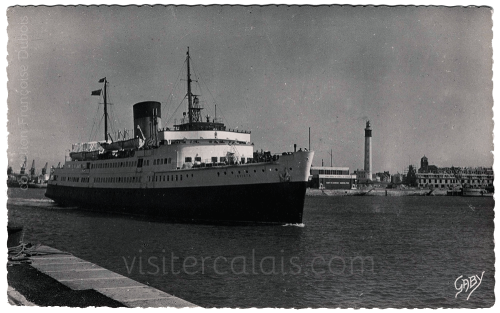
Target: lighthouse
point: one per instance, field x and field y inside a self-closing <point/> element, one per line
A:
<point x="368" y="151"/>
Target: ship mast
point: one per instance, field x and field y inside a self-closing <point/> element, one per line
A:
<point x="193" y="101"/>
<point x="189" y="95"/>
<point x="195" y="120"/>
<point x="98" y="93"/>
<point x="105" y="111"/>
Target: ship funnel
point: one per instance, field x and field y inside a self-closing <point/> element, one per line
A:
<point x="147" y="115"/>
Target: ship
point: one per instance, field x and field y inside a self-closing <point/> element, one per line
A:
<point x="29" y="179"/>
<point x="197" y="171"/>
<point x="39" y="181"/>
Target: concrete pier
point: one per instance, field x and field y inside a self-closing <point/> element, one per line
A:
<point x="375" y="192"/>
<point x="15" y="298"/>
<point x="79" y="274"/>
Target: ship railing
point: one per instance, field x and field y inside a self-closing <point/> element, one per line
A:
<point x="239" y="131"/>
<point x="86" y="147"/>
<point x="209" y="164"/>
<point x="176" y="128"/>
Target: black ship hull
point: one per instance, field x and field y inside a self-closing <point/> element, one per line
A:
<point x="276" y="203"/>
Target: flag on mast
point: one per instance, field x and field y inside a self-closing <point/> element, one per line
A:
<point x="96" y="92"/>
<point x="102" y="80"/>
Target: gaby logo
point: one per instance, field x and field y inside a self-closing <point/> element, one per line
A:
<point x="472" y="283"/>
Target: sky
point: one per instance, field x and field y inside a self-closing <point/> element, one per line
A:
<point x="421" y="75"/>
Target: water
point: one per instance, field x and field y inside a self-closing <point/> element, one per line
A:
<point x="413" y="248"/>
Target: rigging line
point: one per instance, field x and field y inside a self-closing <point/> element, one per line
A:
<point x="199" y="78"/>
<point x="206" y="86"/>
<point x="166" y="113"/>
<point x="112" y="118"/>
<point x="111" y="129"/>
<point x="199" y="86"/>
<point x="171" y="95"/>
<point x="176" y="110"/>
<point x="111" y="113"/>
<point x="95" y="118"/>
<point x="97" y="129"/>
<point x="167" y="103"/>
<point x="177" y="80"/>
<point x="94" y="133"/>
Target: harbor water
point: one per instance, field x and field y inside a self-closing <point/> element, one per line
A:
<point x="383" y="252"/>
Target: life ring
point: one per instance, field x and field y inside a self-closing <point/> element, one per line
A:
<point x="23" y="180"/>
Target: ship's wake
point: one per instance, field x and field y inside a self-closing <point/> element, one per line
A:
<point x="295" y="224"/>
<point x="31" y="202"/>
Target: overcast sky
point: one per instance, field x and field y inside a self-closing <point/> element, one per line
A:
<point x="422" y="76"/>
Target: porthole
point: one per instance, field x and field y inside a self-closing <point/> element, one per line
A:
<point x="291" y="169"/>
<point x="262" y="170"/>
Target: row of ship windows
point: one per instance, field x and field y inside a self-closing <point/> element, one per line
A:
<point x="246" y="171"/>
<point x="155" y="162"/>
<point x="159" y="178"/>
<point x="76" y="179"/>
<point x="131" y="163"/>
<point x="130" y="179"/>
<point x="333" y="172"/>
<point x="211" y="141"/>
<point x="137" y="179"/>
<point x="216" y="160"/>
<point x="160" y="161"/>
<point x="115" y="164"/>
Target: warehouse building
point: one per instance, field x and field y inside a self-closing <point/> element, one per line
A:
<point x="332" y="178"/>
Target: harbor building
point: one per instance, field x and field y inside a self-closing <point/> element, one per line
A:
<point x="332" y="178"/>
<point x="453" y="177"/>
<point x="362" y="176"/>
<point x="425" y="167"/>
<point x="397" y="178"/>
<point x="383" y="176"/>
<point x="474" y="177"/>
